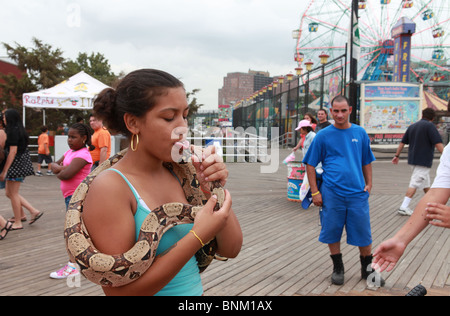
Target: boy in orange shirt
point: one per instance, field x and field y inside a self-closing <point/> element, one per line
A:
<point x="43" y="151"/>
<point x="101" y="140"/>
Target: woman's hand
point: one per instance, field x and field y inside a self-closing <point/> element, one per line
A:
<point x="210" y="167"/>
<point x="208" y="223"/>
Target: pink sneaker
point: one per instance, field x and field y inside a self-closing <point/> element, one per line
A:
<point x="64" y="272"/>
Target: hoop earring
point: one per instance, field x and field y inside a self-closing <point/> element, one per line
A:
<point x="132" y="145"/>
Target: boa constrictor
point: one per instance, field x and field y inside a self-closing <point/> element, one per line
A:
<point x="121" y="269"/>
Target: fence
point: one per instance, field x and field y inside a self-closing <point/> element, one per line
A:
<point x="285" y="105"/>
<point x="238" y="145"/>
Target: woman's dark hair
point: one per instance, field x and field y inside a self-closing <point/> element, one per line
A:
<point x="14" y="124"/>
<point x="313" y="118"/>
<point x="136" y="94"/>
<point x="84" y="130"/>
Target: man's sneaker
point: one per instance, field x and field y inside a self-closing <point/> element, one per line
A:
<point x="405" y="211"/>
<point x="64" y="272"/>
<point x="50" y="173"/>
<point x="38" y="173"/>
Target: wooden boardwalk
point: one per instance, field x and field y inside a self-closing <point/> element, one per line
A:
<point x="280" y="256"/>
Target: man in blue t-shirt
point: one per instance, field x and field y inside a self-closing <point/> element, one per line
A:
<point x="422" y="138"/>
<point x="346" y="157"/>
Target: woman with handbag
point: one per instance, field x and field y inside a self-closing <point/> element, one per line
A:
<point x="17" y="166"/>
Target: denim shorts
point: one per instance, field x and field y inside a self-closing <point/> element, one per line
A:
<point x="351" y="212"/>
<point x="15" y="179"/>
<point x="67" y="201"/>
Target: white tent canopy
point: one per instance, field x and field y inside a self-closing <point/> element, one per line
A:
<point x="77" y="92"/>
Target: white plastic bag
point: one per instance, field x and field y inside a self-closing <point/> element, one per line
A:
<point x="304" y="189"/>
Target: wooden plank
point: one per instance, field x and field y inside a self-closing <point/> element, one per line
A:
<point x="281" y="254"/>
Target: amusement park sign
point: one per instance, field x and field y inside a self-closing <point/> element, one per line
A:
<point x="387" y="109"/>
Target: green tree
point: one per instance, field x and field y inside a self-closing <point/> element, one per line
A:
<point x="44" y="67"/>
<point x="192" y="101"/>
<point x="95" y="65"/>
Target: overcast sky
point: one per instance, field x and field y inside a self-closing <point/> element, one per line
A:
<point x="198" y="41"/>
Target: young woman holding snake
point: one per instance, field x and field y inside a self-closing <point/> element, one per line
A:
<point x="150" y="108"/>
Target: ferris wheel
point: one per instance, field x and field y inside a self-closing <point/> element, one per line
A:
<point x="325" y="24"/>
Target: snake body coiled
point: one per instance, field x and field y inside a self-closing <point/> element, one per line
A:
<point x="121" y="269"/>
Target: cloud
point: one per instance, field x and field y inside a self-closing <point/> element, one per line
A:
<point x="199" y="41"/>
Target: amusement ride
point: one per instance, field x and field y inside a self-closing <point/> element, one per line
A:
<point x="324" y="32"/>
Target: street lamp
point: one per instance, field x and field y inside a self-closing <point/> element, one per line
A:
<point x="289" y="76"/>
<point x="309" y="63"/>
<point x="323" y="60"/>
<point x="280" y="81"/>
<point x="299" y="72"/>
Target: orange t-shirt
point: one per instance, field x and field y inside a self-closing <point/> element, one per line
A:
<point x="100" y="139"/>
<point x="42" y="140"/>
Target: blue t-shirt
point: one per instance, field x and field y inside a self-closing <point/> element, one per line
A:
<point x="343" y="153"/>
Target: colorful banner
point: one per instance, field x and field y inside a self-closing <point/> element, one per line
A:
<point x="225" y="113"/>
<point x="402" y="58"/>
<point x="388" y="109"/>
<point x="393" y="115"/>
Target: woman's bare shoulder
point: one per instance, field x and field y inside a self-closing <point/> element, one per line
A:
<point x="108" y="207"/>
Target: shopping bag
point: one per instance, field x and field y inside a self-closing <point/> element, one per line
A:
<point x="289" y="158"/>
<point x="304" y="188"/>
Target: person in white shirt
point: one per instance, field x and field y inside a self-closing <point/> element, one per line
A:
<point x="431" y="210"/>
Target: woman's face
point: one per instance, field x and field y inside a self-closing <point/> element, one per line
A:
<point x="164" y="128"/>
<point x="75" y="140"/>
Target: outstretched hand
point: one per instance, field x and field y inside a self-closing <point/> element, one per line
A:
<point x="387" y="255"/>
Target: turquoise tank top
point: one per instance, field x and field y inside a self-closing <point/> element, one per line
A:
<point x="188" y="281"/>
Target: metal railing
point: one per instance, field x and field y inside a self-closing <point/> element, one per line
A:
<point x="237" y="147"/>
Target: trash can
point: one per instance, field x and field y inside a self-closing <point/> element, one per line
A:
<point x="296" y="173"/>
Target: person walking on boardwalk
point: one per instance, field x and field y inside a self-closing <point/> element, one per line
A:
<point x="5" y="227"/>
<point x="345" y="153"/>
<point x="17" y="166"/>
<point x="2" y="149"/>
<point x="72" y="169"/>
<point x="43" y="151"/>
<point x="422" y="138"/>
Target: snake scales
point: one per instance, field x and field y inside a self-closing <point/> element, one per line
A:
<point x="121" y="269"/>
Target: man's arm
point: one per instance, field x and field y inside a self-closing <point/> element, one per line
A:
<point x="103" y="154"/>
<point x="396" y="159"/>
<point x="367" y="172"/>
<point x="317" y="196"/>
<point x="389" y="252"/>
<point x="440" y="147"/>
